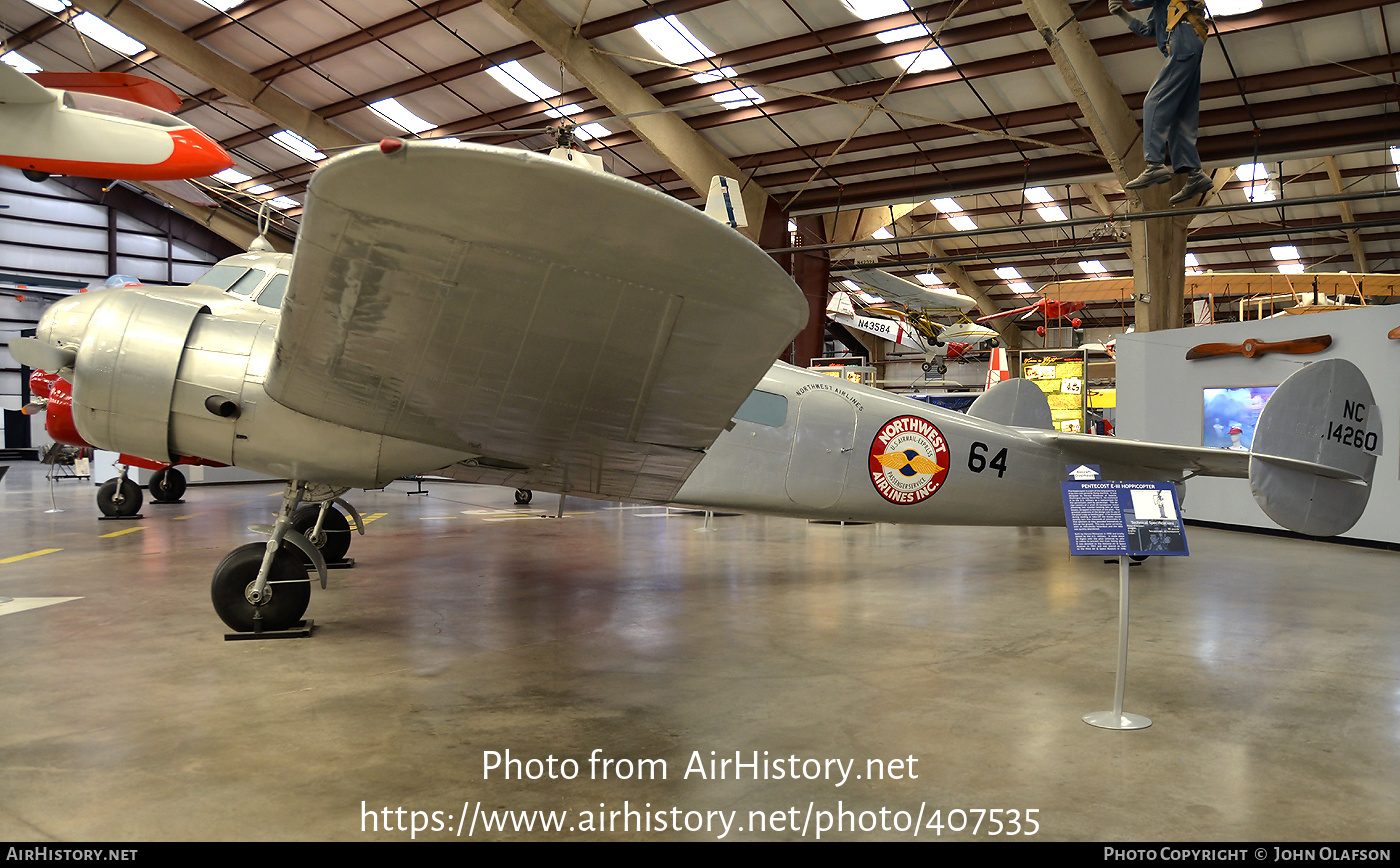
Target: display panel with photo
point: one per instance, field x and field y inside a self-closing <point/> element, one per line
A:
<point x="1230" y="414"/>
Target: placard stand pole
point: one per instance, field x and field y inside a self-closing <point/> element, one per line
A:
<point x="1117" y="718"/>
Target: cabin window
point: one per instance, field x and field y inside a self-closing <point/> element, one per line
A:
<point x="222" y="276"/>
<point x="764" y="408"/>
<point x="276" y="288"/>
<point x="245" y="285"/>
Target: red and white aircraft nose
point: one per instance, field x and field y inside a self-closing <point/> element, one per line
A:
<point x="194" y="155"/>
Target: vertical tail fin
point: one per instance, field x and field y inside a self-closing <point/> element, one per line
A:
<point x="725" y="203"/>
<point x="1315" y="449"/>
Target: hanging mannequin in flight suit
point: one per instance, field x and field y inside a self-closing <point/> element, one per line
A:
<point x="1171" y="111"/>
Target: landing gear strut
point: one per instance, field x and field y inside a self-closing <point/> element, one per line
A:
<point x="265" y="586"/>
<point x="120" y="497"/>
<point x="167" y="486"/>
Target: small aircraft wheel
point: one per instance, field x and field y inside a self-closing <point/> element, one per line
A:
<point x="334" y="539"/>
<point x="35" y="176"/>
<point x="167" y="486"/>
<point x="937" y="342"/>
<point x="119" y="497"/>
<point x="928" y="366"/>
<point x="942" y="369"/>
<point x="523" y="496"/>
<point x="285" y="600"/>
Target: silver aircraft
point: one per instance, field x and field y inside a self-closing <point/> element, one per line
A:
<point x="502" y="317"/>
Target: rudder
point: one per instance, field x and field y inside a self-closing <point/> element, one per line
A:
<point x="1315" y="449"/>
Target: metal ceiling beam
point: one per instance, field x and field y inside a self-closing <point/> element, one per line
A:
<point x="1321" y="136"/>
<point x="210" y="67"/>
<point x="374" y="32"/>
<point x="207" y="27"/>
<point x="693" y="158"/>
<point x="432" y="78"/>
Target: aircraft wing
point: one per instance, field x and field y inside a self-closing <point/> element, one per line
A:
<point x="574" y="329"/>
<point x="18" y="88"/>
<point x="1152" y="456"/>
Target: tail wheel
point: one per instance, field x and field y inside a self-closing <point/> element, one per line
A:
<point x="167" y="486"/>
<point x="119" y="497"/>
<point x="334" y="538"/>
<point x="523" y="496"/>
<point x="283" y="603"/>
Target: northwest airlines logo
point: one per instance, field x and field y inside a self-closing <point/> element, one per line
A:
<point x="908" y="460"/>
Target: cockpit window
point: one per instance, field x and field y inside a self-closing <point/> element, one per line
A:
<point x="120" y="108"/>
<point x="276" y="289"/>
<point x="764" y="408"/>
<point x="222" y="276"/>
<point x="245" y="285"/>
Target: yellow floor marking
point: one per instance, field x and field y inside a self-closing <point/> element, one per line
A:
<point x="30" y="555"/>
<point x="191" y="515"/>
<point x="369" y="518"/>
<point x="121" y="532"/>
<point x="434" y="517"/>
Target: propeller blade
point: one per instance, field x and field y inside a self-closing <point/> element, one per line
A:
<point x="1394" y="334"/>
<point x="1252" y="347"/>
<point x="41" y="356"/>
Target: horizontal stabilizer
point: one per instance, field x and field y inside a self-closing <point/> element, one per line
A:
<point x="1315" y="449"/>
<point x="1017" y="402"/>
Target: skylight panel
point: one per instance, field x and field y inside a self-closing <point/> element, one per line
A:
<point x="929" y="279"/>
<point x="673" y="41"/>
<point x="231" y="176"/>
<point x="1395" y="161"/>
<point x="284" y="202"/>
<point x="258" y="189"/>
<point x="50" y="5"/>
<point x="100" y="31"/>
<point x="591" y="131"/>
<point x="1006" y="272"/>
<point x="1226" y="8"/>
<point x="1039" y="195"/>
<point x="20" y="62"/>
<point x="297" y="145"/>
<point x="1290" y="267"/>
<point x="1284" y="252"/>
<point x="394" y="112"/>
<point x="739" y="96"/>
<point x="1051" y="213"/>
<point x="899" y="34"/>
<point x="953" y="212"/>
<point x="924" y="61"/>
<point x="1022" y="287"/>
<point x="520" y="81"/>
<point x="220" y="5"/>
<point x="882" y="233"/>
<point x="1193" y="265"/>
<point x="851" y="286"/>
<point x="1252" y="172"/>
<point x="868" y="9"/>
<point x="1093" y="268"/>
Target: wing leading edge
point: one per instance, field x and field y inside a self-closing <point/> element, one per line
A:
<point x="576" y="330"/>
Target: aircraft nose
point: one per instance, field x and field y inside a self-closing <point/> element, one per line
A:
<point x="196" y="155"/>
<point x="66" y="322"/>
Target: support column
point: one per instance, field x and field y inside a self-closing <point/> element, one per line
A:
<point x="812" y="272"/>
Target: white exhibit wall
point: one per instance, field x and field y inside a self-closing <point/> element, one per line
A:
<point x="1160" y="398"/>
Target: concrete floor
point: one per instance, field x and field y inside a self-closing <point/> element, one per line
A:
<point x="1270" y="669"/>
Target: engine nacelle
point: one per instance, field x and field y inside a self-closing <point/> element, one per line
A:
<point x="125" y="371"/>
<point x="160" y="377"/>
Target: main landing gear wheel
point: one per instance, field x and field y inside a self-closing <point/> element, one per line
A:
<point x="119" y="497"/>
<point x="334" y="538"/>
<point x="523" y="496"/>
<point x="283" y="602"/>
<point x="167" y="486"/>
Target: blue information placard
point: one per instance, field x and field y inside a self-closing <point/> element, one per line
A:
<point x="1123" y="518"/>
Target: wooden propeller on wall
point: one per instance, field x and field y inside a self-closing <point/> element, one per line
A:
<point x="1252" y="347"/>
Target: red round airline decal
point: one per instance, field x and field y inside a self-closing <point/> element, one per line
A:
<point x="908" y="460"/>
